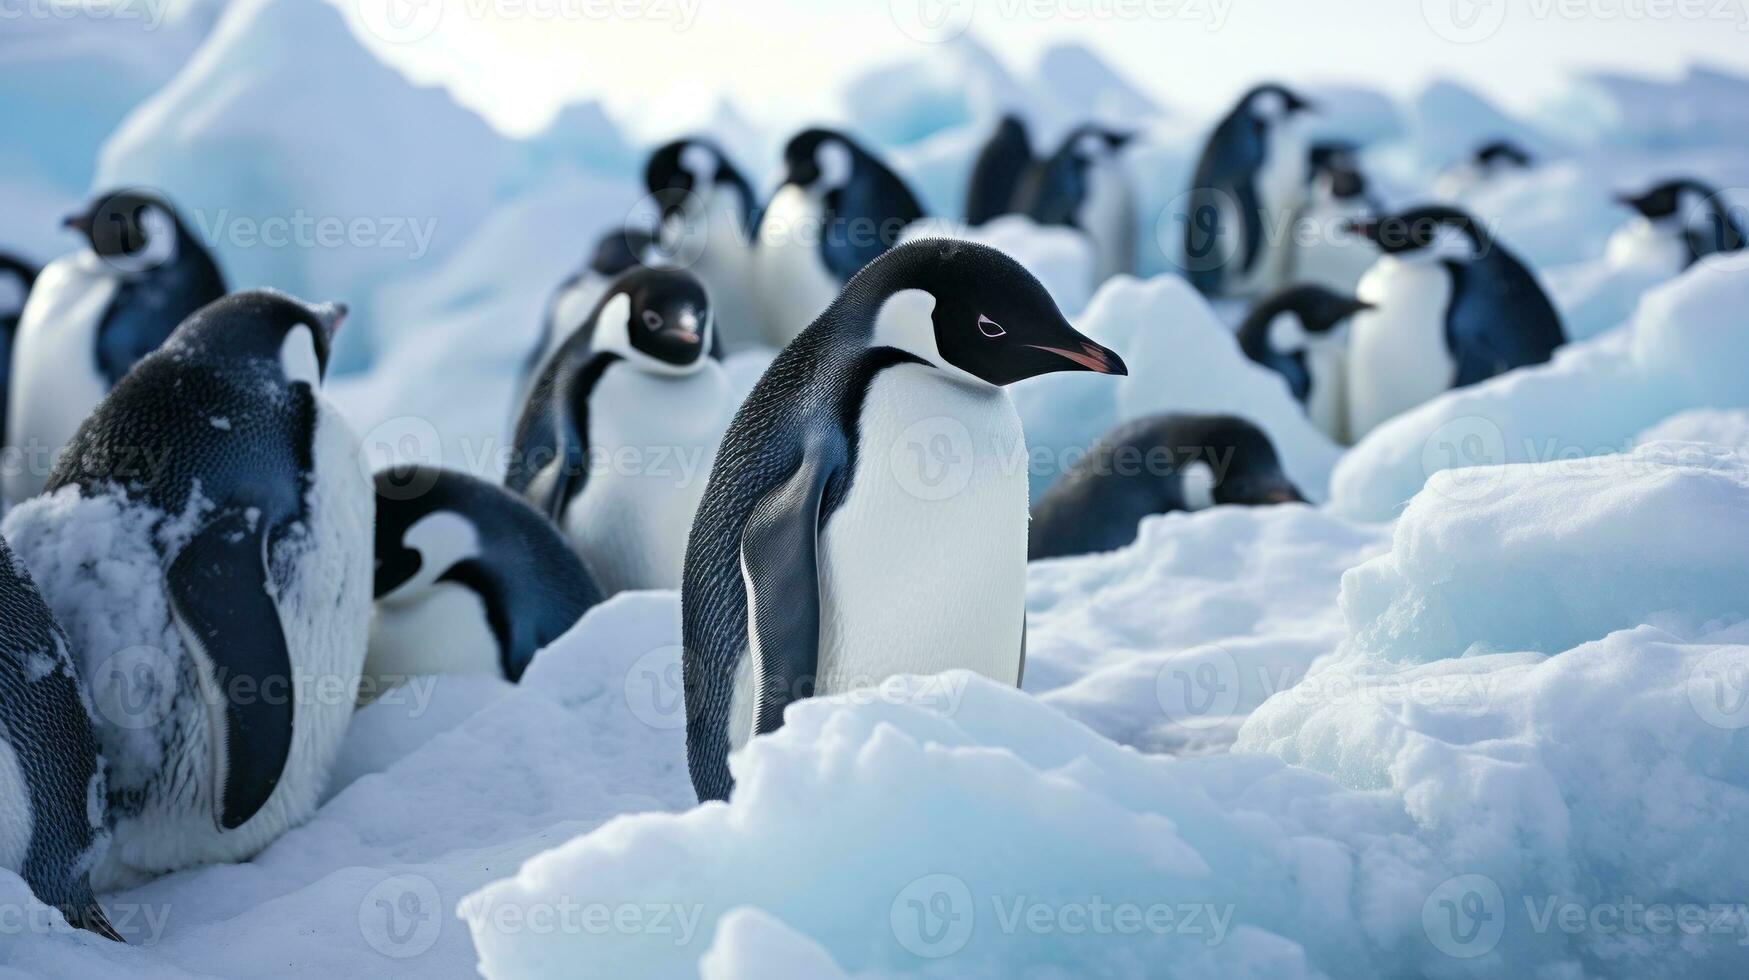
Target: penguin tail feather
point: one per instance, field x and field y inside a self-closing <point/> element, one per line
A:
<point x="92" y="919"/>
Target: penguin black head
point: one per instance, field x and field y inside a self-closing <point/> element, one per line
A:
<point x="131" y="230"/>
<point x="659" y="319"/>
<point x="687" y="167"/>
<point x="1678" y="199"/>
<point x="821" y="159"/>
<point x="1092" y="142"/>
<point x="418" y="539"/>
<point x="263" y="325"/>
<point x="16" y="278"/>
<point x="1273" y="102"/>
<point x="1315" y="311"/>
<point x="1502" y="153"/>
<point x="1435" y="232"/>
<point x="1336" y="165"/>
<point x="969" y="310"/>
<point x="1234" y="460"/>
<point x="620" y="251"/>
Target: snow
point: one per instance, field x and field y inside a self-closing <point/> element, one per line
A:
<point x="1418" y="730"/>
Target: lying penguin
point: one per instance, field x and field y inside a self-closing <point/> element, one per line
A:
<point x="1155" y="465"/>
<point x="223" y="609"/>
<point x="469" y="579"/>
<point x="616" y="438"/>
<point x="865" y="516"/>
<point x="1450" y="307"/>
<point x="708" y="220"/>
<point x="52" y="800"/>
<point x="92" y="315"/>
<point x="1299" y="333"/>
<point x="1677" y="223"/>
<point x="838" y="208"/>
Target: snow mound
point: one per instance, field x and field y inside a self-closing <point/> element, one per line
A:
<point x="1706" y="106"/>
<point x="317" y="182"/>
<point x="1448" y="121"/>
<point x="1060" y="258"/>
<point x="1680" y="352"/>
<point x="1728" y="429"/>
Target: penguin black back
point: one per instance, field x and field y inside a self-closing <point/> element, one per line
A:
<point x="1318" y="311"/>
<point x="16" y="278"/>
<point x="532" y="584"/>
<point x="1141" y="467"/>
<point x="1001" y="167"/>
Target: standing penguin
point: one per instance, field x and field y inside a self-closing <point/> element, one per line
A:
<point x="1082" y="185"/>
<point x="16" y="277"/>
<point x="1296" y="332"/>
<point x="1249" y="182"/>
<point x="616" y="438"/>
<point x="867" y="516"/>
<point x="469" y="579"/>
<point x="1324" y="253"/>
<point x="206" y="541"/>
<point x="1679" y="223"/>
<point x="1155" y="465"/>
<point x="92" y="314"/>
<point x="837" y="209"/>
<point x="52" y="799"/>
<point x="1450" y="307"/>
<point x="707" y="227"/>
<point x="618" y="252"/>
<point x="1002" y="165"/>
<point x="1490" y="161"/>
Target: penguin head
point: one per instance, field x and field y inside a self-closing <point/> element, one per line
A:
<point x="418" y="539"/>
<point x="971" y="311"/>
<point x="1093" y="143"/>
<point x="1272" y="103"/>
<point x="820" y="160"/>
<point x="1671" y="202"/>
<point x="686" y="169"/>
<point x="1299" y="317"/>
<point x="1230" y="461"/>
<point x="621" y="250"/>
<point x="263" y="325"/>
<point x="16" y="278"/>
<point x="658" y="319"/>
<point x="1427" y="234"/>
<point x="132" y="231"/>
<point x="1335" y="171"/>
<point x="1501" y="155"/>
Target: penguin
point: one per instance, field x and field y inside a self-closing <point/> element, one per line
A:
<point x="1083" y="185"/>
<point x="1249" y="182"/>
<point x="1677" y="223"/>
<point x="469" y="579"/>
<point x="209" y="528"/>
<point x="618" y="252"/>
<point x="1002" y="165"/>
<point x="838" y="208"/>
<point x="1489" y="162"/>
<point x="1337" y="196"/>
<point x="1450" y="307"/>
<point x="707" y="227"/>
<point x="52" y="802"/>
<point x="867" y="512"/>
<point x="614" y="442"/>
<point x="1155" y="465"/>
<point x="1297" y="332"/>
<point x="94" y="313"/>
<point x="16" y="278"/>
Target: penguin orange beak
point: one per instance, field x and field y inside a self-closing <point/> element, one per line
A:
<point x="1091" y="356"/>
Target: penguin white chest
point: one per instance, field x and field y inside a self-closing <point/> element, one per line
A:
<point x="1397" y="353"/>
<point x="1325" y="256"/>
<point x="1106" y="215"/>
<point x="1326" y="400"/>
<point x="652" y="439"/>
<point x="1280" y="183"/>
<point x="794" y="284"/>
<point x="55" y="381"/>
<point x="442" y="629"/>
<point x="1642" y="244"/>
<point x="923" y="564"/>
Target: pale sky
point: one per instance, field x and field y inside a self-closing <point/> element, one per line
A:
<point x="783" y="60"/>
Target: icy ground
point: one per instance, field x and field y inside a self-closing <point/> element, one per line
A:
<point x="1455" y="722"/>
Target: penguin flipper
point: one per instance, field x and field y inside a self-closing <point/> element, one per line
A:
<point x="780" y="569"/>
<point x="222" y="600"/>
<point x="92" y="919"/>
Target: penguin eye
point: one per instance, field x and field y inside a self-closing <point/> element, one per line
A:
<point x="652" y="320"/>
<point x="990" y="328"/>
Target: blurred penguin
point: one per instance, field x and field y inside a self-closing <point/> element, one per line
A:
<point x="1325" y="253"/>
<point x="1301" y="334"/>
<point x="16" y="277"/>
<point x="1082" y="185"/>
<point x="1490" y="162"/>
<point x="1002" y="165"/>
<point x="707" y="227"/>
<point x="1676" y="223"/>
